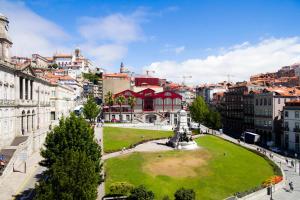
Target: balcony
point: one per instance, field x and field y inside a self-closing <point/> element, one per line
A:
<point x="297" y="129"/>
<point x="23" y="102"/>
<point x="6" y="102"/>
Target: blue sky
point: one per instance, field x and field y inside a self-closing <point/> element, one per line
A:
<point x="206" y="39"/>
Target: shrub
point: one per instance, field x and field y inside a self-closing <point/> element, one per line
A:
<point x="141" y="193"/>
<point x="120" y="188"/>
<point x="185" y="194"/>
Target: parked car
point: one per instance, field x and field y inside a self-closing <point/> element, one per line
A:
<point x="194" y="125"/>
<point x="114" y="120"/>
<point x="275" y="149"/>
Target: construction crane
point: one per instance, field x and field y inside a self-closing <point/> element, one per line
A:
<point x="184" y="78"/>
<point x="228" y="77"/>
<point x="147" y="72"/>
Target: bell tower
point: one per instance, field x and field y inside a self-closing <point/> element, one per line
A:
<point x="5" y="42"/>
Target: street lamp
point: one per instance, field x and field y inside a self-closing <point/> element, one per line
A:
<point x="296" y="162"/>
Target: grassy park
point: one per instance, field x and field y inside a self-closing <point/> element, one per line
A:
<point x="215" y="171"/>
<point x="115" y="138"/>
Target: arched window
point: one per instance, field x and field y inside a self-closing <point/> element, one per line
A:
<point x="168" y="101"/>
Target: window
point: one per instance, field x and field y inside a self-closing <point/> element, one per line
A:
<point x="278" y="100"/>
<point x="297" y="125"/>
<point x="261" y="101"/>
<point x="297" y="138"/>
<point x="270" y="123"/>
<point x="265" y="101"/>
<point x="286" y="114"/>
<point x="286" y="124"/>
<point x="296" y="114"/>
<point x="269" y="101"/>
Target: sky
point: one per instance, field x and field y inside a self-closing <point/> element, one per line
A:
<point x="207" y="40"/>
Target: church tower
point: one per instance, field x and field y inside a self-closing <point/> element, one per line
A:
<point x="122" y="68"/>
<point x="5" y="42"/>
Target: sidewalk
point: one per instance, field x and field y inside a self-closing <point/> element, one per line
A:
<point x="16" y="182"/>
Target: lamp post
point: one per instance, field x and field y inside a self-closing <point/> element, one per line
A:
<point x="296" y="162"/>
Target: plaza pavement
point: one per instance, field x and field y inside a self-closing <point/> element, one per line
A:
<point x="18" y="182"/>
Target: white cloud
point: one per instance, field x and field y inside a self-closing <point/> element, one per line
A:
<point x="30" y="32"/>
<point x="105" y="54"/>
<point x="241" y="61"/>
<point x="115" y="28"/>
<point x="170" y="49"/>
<point x="107" y="38"/>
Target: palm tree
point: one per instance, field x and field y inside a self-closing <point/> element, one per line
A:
<point x="131" y="101"/>
<point x="120" y="100"/>
<point x="109" y="100"/>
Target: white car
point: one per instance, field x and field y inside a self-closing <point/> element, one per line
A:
<point x="275" y="149"/>
<point x="194" y="125"/>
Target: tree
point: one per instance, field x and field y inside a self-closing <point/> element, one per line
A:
<point x="131" y="102"/>
<point x="72" y="133"/>
<point x="109" y="101"/>
<point x="94" y="78"/>
<point x="120" y="100"/>
<point x="199" y="110"/>
<point x="213" y="119"/>
<point x="73" y="161"/>
<point x="72" y="177"/>
<point x="141" y="193"/>
<point x="185" y="194"/>
<point x="91" y="110"/>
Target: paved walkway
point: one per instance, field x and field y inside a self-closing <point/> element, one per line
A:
<point x="99" y="137"/>
<point x="16" y="182"/>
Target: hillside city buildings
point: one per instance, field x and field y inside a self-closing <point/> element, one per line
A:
<point x="30" y="104"/>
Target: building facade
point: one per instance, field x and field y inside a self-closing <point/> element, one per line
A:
<point x="268" y="107"/>
<point x="150" y="107"/>
<point x="291" y="126"/>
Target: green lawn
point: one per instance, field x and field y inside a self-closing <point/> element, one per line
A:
<point x="211" y="173"/>
<point x="115" y="138"/>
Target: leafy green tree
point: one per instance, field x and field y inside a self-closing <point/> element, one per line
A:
<point x="120" y="188"/>
<point x="131" y="102"/>
<point x="213" y="119"/>
<point x="141" y="193"/>
<point x="120" y="100"/>
<point x="73" y="161"/>
<point x="109" y="101"/>
<point x="94" y="78"/>
<point x="72" y="133"/>
<point x="91" y="110"/>
<point x="53" y="66"/>
<point x="73" y="176"/>
<point x="199" y="110"/>
<point x="185" y="194"/>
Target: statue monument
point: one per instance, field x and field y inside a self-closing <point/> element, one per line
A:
<point x="182" y="138"/>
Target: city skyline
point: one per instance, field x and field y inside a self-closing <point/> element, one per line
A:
<point x="240" y="39"/>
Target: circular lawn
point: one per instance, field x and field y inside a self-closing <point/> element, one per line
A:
<point x="216" y="171"/>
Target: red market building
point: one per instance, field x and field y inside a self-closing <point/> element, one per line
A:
<point x="150" y="107"/>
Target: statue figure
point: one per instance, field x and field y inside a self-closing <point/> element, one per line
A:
<point x="182" y="138"/>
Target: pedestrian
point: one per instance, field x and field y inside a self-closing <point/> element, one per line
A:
<point x="292" y="163"/>
<point x="291" y="186"/>
<point x="287" y="161"/>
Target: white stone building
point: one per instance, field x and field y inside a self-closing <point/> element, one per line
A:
<point x="62" y="101"/>
<point x="291" y="126"/>
<point x="25" y="108"/>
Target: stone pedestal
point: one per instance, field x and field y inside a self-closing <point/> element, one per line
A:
<point x="182" y="138"/>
